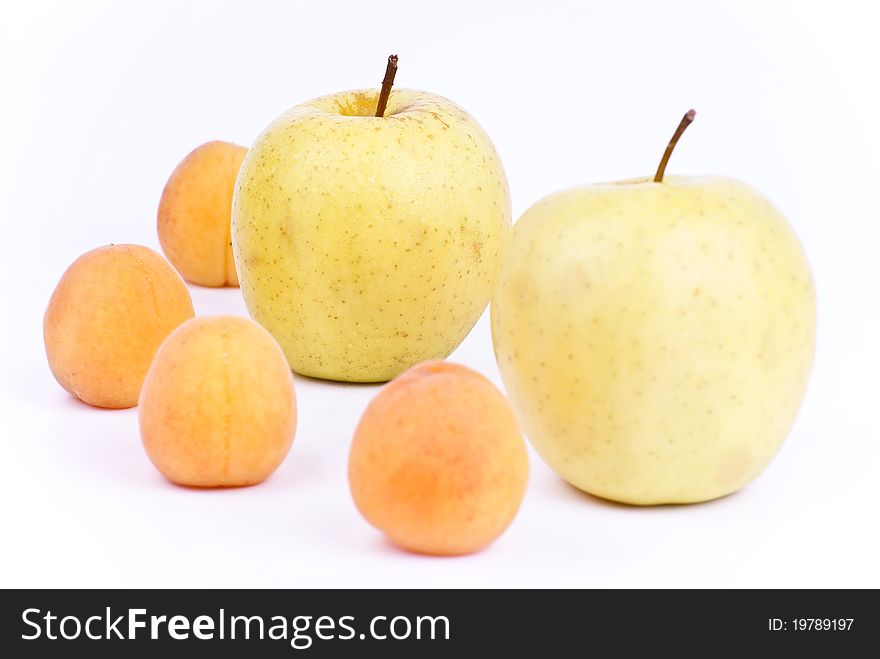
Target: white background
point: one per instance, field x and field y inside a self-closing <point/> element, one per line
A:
<point x="98" y="103"/>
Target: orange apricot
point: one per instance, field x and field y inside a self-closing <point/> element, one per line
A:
<point x="195" y="214"/>
<point x="218" y="407"/>
<point x="438" y="462"/>
<point x="107" y="316"/>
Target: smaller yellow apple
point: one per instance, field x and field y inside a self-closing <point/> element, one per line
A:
<point x="366" y="244"/>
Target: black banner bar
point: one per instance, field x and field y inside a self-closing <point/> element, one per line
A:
<point x="317" y="623"/>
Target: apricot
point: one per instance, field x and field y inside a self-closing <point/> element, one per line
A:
<point x="195" y="214"/>
<point x="438" y="462"/>
<point x="107" y="316"/>
<point x="218" y="407"/>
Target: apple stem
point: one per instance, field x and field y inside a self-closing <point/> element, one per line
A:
<point x="390" y="72"/>
<point x="685" y="122"/>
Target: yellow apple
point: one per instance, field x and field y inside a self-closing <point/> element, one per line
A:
<point x="368" y="244"/>
<point x="655" y="337"/>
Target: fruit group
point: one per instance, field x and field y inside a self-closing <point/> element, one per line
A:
<point x="438" y="462"/>
<point x="107" y="316"/>
<point x="218" y="407"/>
<point x="368" y="244"/>
<point x="195" y="211"/>
<point x="655" y="338"/>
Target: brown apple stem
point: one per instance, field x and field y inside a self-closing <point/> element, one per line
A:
<point x="390" y="72"/>
<point x="685" y="122"/>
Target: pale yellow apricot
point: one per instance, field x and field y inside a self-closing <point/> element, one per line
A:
<point x="218" y="407"/>
<point x="107" y="316"/>
<point x="195" y="213"/>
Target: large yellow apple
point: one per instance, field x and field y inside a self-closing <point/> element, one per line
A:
<point x="368" y="244"/>
<point x="655" y="337"/>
